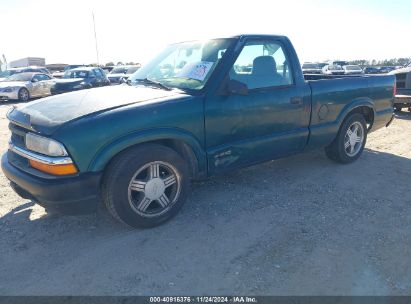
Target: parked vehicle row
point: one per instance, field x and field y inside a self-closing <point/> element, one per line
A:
<point x="331" y="68"/>
<point x="24" y="83"/>
<point x="343" y="68"/>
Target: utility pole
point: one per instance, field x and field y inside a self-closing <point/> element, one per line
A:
<point x="5" y="61"/>
<point x="95" y="39"/>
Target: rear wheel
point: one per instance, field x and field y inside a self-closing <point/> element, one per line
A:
<point x="350" y="140"/>
<point x="24" y="95"/>
<point x="146" y="186"/>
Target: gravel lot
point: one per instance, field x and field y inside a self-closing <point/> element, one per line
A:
<point x="302" y="226"/>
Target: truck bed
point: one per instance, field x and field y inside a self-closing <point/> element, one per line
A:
<point x="333" y="96"/>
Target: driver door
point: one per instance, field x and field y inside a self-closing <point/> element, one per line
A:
<point x="36" y="86"/>
<point x="268" y="121"/>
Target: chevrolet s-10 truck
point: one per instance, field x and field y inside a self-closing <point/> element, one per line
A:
<point x="197" y="109"/>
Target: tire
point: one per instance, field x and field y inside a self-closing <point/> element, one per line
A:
<point x="146" y="185"/>
<point x="24" y="95"/>
<point x="346" y="149"/>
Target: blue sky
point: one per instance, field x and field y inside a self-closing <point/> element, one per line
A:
<point x="130" y="30"/>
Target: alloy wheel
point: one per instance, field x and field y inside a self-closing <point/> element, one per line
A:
<point x="154" y="189"/>
<point x="354" y="138"/>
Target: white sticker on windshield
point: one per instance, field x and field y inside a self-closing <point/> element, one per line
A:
<point x="196" y="70"/>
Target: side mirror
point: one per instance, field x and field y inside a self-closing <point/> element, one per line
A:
<point x="236" y="87"/>
<point x="123" y="80"/>
<point x="34" y="80"/>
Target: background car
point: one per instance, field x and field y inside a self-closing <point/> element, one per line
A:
<point x="311" y="68"/>
<point x="353" y="69"/>
<point x="80" y="78"/>
<point x="12" y="71"/>
<point x="23" y="86"/>
<point x="108" y="68"/>
<point x="67" y="68"/>
<point x="371" y="70"/>
<point x="121" y="72"/>
<point x="333" y="70"/>
<point x="341" y="63"/>
<point x="386" y="69"/>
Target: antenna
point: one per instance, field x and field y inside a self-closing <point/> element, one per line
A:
<point x="95" y="38"/>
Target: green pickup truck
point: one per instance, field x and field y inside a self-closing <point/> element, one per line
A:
<point x="198" y="109"/>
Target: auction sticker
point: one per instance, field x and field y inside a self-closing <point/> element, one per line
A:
<point x="196" y="70"/>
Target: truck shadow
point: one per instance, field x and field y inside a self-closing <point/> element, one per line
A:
<point x="233" y="226"/>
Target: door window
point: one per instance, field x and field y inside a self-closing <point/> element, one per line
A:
<point x="42" y="77"/>
<point x="99" y="74"/>
<point x="262" y="64"/>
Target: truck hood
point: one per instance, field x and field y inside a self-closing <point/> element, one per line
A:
<point x="47" y="114"/>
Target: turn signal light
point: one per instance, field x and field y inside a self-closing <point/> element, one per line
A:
<point x="65" y="169"/>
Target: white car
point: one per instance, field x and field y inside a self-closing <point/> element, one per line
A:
<point x="353" y="70"/>
<point x="333" y="70"/>
<point x="23" y="86"/>
<point x="120" y="73"/>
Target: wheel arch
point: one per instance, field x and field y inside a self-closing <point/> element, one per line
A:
<point x="363" y="106"/>
<point x="24" y="88"/>
<point x="185" y="144"/>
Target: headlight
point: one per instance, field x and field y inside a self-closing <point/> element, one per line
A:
<point x="10" y="89"/>
<point x="44" y="145"/>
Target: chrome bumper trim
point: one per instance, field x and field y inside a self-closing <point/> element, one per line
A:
<point x="38" y="157"/>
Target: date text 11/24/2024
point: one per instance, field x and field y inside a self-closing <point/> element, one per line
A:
<point x="204" y="299"/>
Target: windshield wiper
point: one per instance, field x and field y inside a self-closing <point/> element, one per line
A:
<point x="155" y="83"/>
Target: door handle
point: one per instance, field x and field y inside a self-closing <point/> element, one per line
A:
<point x="296" y="100"/>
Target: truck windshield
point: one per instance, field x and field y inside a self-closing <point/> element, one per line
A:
<point x="185" y="65"/>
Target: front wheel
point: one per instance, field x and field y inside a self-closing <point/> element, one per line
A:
<point x="350" y="140"/>
<point x="24" y="95"/>
<point x="146" y="185"/>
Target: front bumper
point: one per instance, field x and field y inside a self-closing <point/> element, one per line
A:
<point x="402" y="100"/>
<point x="71" y="195"/>
<point x="9" y="95"/>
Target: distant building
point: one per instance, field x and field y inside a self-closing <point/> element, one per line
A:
<point x="28" y="61"/>
<point x="54" y="67"/>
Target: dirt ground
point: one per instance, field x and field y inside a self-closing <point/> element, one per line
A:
<point x="297" y="226"/>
